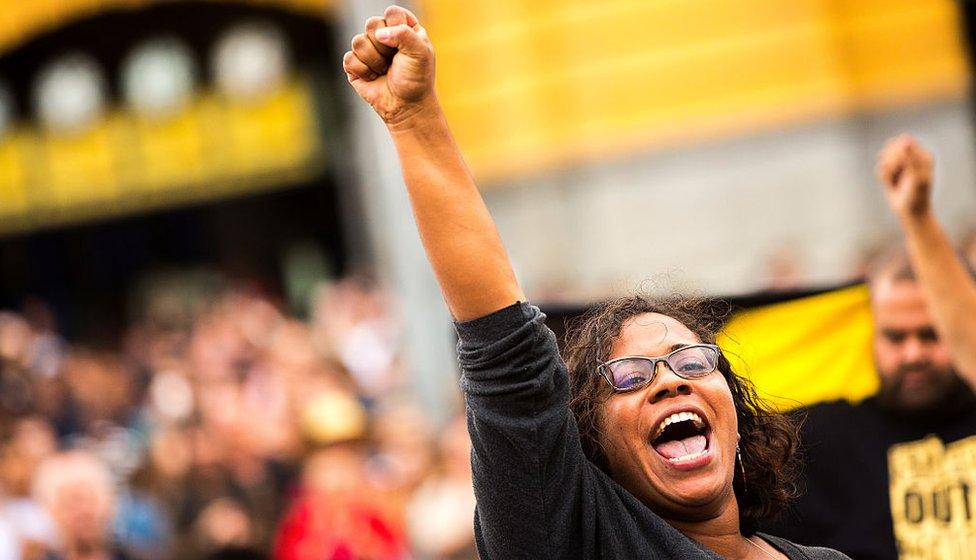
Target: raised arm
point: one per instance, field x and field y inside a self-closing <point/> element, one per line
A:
<point x="391" y="66"/>
<point x="905" y="170"/>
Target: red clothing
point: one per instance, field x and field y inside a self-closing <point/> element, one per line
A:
<point x="314" y="530"/>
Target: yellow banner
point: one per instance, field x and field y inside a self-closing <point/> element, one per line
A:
<point x="807" y="350"/>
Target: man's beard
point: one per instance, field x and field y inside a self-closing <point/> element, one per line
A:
<point x="953" y="395"/>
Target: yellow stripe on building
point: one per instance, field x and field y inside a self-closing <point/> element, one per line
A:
<point x="124" y="161"/>
<point x="531" y="85"/>
<point x="80" y="169"/>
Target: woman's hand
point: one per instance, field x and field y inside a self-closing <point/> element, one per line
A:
<point x="905" y="170"/>
<point x="391" y="66"/>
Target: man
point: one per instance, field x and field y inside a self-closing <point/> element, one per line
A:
<point x="77" y="490"/>
<point x="895" y="476"/>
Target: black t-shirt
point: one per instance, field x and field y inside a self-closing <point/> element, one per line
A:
<point x="870" y="474"/>
<point x="538" y="496"/>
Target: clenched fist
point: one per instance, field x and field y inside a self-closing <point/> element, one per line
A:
<point x="905" y="170"/>
<point x="391" y="65"/>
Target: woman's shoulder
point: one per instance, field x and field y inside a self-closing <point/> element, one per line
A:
<point x="799" y="552"/>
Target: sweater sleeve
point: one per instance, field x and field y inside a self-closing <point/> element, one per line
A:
<point x="526" y="454"/>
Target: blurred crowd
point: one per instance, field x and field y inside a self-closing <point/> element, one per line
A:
<point x="221" y="426"/>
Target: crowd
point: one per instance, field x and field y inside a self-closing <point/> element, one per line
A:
<point x="220" y="426"/>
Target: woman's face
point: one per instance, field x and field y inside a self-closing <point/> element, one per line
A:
<point x="671" y="443"/>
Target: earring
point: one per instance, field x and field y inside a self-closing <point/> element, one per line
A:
<point x="742" y="467"/>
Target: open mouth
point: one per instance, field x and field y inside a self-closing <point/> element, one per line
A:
<point x="681" y="437"/>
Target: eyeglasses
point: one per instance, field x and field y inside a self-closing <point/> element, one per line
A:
<point x="630" y="373"/>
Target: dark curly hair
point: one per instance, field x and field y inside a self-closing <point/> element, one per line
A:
<point x="768" y="441"/>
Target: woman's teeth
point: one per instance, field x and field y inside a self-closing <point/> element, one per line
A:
<point x="679" y="417"/>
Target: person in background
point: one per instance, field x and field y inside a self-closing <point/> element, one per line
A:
<point x="403" y="453"/>
<point x="30" y="441"/>
<point x="439" y="513"/>
<point x="338" y="514"/>
<point x="223" y="525"/>
<point x="893" y="475"/>
<point x="78" y="491"/>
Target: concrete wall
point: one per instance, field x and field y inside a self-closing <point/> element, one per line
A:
<point x="706" y="218"/>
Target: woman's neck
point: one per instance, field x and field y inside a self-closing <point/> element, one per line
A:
<point x="720" y="533"/>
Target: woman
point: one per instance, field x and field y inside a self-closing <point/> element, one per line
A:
<point x="646" y="464"/>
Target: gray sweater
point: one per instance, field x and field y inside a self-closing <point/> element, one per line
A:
<point x="538" y="496"/>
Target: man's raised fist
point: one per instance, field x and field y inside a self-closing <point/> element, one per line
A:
<point x="905" y="170"/>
